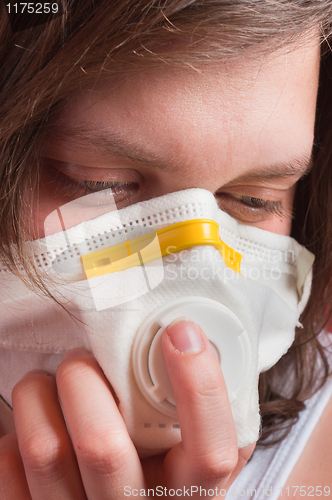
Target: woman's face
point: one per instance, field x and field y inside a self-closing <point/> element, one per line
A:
<point x="242" y="130"/>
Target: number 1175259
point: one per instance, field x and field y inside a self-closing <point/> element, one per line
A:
<point x="305" y="491"/>
<point x="32" y="8"/>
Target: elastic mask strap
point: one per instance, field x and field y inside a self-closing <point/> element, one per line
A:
<point x="171" y="239"/>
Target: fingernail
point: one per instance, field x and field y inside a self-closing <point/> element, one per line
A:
<point x="37" y="372"/>
<point x="31" y="373"/>
<point x="185" y="335"/>
<point x="75" y="353"/>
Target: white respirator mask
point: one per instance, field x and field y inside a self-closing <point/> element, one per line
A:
<point x="124" y="275"/>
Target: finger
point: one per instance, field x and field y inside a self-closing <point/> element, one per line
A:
<point x="13" y="483"/>
<point x="244" y="455"/>
<point x="106" y="455"/>
<point x="208" y="453"/>
<point x="48" y="457"/>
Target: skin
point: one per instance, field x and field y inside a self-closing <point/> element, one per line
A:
<point x="232" y="129"/>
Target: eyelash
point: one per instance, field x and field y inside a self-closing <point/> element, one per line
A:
<point x="273" y="207"/>
<point x="246" y="206"/>
<point x="249" y="206"/>
<point x="69" y="187"/>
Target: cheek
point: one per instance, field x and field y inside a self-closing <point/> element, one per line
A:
<point x="43" y="206"/>
<point x="278" y="226"/>
<point x="45" y="202"/>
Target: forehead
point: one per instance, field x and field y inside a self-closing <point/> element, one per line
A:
<point x="240" y="113"/>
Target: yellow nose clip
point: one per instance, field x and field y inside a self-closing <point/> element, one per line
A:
<point x="149" y="247"/>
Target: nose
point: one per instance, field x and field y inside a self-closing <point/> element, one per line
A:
<point x="210" y="177"/>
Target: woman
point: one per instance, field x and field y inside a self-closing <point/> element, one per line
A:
<point x="215" y="95"/>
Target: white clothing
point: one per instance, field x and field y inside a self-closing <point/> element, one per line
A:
<point x="269" y="468"/>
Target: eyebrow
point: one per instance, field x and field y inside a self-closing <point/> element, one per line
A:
<point x="108" y="144"/>
<point x="296" y="167"/>
<point x="111" y="145"/>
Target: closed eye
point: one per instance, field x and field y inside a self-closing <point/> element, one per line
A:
<point x="251" y="209"/>
<point x="67" y="186"/>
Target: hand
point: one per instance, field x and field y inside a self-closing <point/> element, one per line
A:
<point x="96" y="459"/>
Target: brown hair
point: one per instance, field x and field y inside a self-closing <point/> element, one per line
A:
<point x="42" y="66"/>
